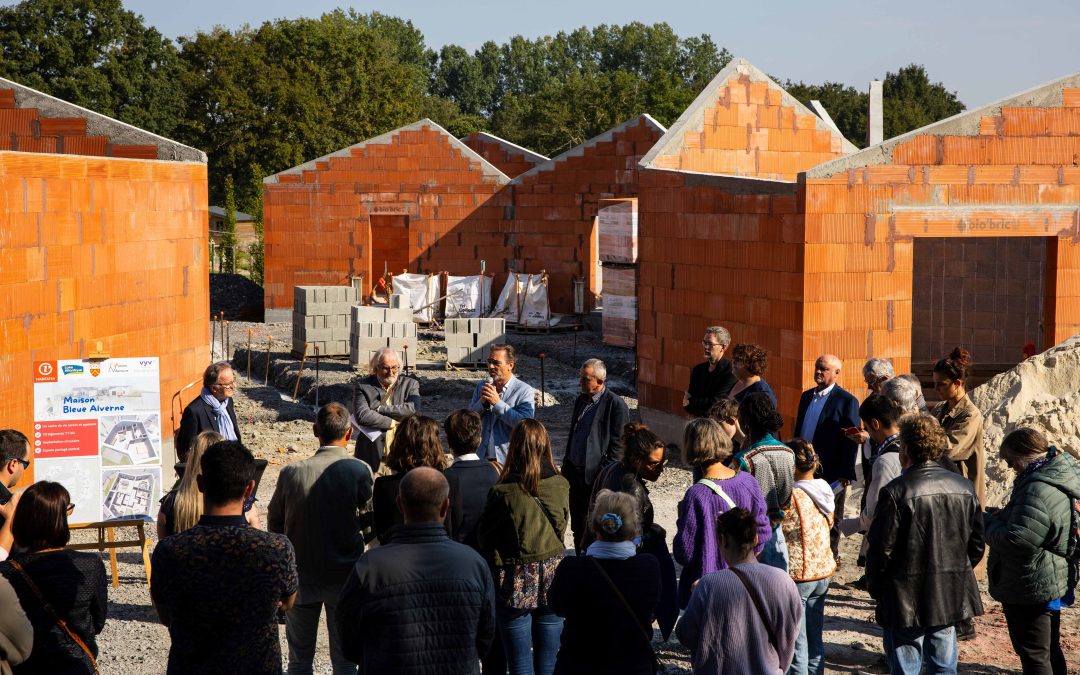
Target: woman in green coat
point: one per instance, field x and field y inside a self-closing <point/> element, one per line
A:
<point x="1028" y="572"/>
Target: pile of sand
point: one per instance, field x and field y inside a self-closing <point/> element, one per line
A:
<point x="1042" y="392"/>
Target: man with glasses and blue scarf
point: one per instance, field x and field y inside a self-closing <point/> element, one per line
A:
<point x="213" y="410"/>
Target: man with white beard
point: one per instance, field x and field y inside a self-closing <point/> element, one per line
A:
<point x="383" y="399"/>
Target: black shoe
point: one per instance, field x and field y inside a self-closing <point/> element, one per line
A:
<point x="965" y="630"/>
<point x="859" y="584"/>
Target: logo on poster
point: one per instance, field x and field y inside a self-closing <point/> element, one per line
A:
<point x="72" y="370"/>
<point x="45" y="371"/>
<point x="95" y="371"/>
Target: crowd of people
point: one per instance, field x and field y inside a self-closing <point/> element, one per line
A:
<point x="425" y="564"/>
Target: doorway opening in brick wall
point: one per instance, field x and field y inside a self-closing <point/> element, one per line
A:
<point x="389" y="237"/>
<point x="986" y="294"/>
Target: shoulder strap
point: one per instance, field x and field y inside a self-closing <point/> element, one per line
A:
<point x="645" y="633"/>
<point x="757" y="603"/>
<point x="547" y="514"/>
<point x="55" y="617"/>
<point x="718" y="490"/>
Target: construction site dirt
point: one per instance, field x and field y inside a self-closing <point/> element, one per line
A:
<point x="279" y="429"/>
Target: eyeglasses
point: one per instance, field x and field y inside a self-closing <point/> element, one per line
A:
<point x="231" y="386"/>
<point x="71" y="508"/>
<point x="876" y="381"/>
<point x="25" y="463"/>
<point x="706" y="343"/>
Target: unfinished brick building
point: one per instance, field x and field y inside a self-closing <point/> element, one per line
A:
<point x="103" y="238"/>
<point x="419" y="199"/>
<point x="806" y="260"/>
<point x="513" y="160"/>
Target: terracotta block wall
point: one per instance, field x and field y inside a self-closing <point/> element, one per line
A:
<point x="555" y="208"/>
<point x="501" y="155"/>
<point x="23" y="129"/>
<point x="1015" y="178"/>
<point x="317" y="219"/>
<point x="712" y="251"/>
<point x="751" y="132"/>
<point x="96" y="249"/>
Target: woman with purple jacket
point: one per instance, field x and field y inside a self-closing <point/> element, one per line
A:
<point x="696" y="547"/>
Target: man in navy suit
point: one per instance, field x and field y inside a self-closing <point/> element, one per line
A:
<point x="824" y="413"/>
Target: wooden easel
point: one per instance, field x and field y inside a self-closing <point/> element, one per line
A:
<point x="108" y="530"/>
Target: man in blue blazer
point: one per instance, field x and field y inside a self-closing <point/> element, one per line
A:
<point x="502" y="401"/>
<point x="824" y="413"/>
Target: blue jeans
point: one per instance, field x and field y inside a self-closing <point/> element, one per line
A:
<point x="775" y="552"/>
<point x="908" y="649"/>
<point x="809" y="656"/>
<point x="302" y="629"/>
<point x="530" y="640"/>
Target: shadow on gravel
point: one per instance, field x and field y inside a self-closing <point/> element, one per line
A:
<point x="126" y="611"/>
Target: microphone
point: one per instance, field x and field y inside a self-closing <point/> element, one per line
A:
<point x="490" y="380"/>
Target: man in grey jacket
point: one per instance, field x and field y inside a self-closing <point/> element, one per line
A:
<point x="316" y="504"/>
<point x="422" y="603"/>
<point x="596" y="426"/>
<point x="381" y="400"/>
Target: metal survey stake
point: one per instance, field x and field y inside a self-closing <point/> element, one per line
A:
<point x="266" y="376"/>
<point x="228" y="342"/>
<point x="406" y="350"/>
<point x="543" y="393"/>
<point x="213" y="334"/>
<point x="250" y="331"/>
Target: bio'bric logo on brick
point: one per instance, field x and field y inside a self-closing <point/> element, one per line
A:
<point x="72" y="370"/>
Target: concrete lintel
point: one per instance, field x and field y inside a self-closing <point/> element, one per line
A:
<point x="486" y="167"/>
<point x="120" y="133"/>
<point x="693" y="118"/>
<point x="966" y="123"/>
<point x="534" y="157"/>
<point x="277" y="315"/>
<point x="736" y="185"/>
<point x="821" y="112"/>
<point x="579" y="150"/>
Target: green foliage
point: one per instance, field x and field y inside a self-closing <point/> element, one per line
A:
<point x="909" y="101"/>
<point x="255" y="208"/>
<point x="96" y="54"/>
<point x="228" y="229"/>
<point x="292" y="90"/>
<point x="552" y="93"/>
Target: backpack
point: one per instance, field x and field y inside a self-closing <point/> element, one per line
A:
<point x="1072" y="547"/>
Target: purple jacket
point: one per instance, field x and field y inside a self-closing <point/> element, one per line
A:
<point x="696" y="546"/>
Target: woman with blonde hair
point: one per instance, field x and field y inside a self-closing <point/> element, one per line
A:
<point x="416" y="443"/>
<point x="181" y="508"/>
<point x="696" y="546"/>
<point x="608" y="596"/>
<point x="521" y="532"/>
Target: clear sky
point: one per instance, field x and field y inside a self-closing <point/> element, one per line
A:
<point x="981" y="50"/>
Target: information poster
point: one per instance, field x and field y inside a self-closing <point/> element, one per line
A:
<point x="97" y="432"/>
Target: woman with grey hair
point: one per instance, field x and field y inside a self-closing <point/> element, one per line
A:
<point x="608" y="596"/>
<point x="1028" y="537"/>
<point x="904" y="393"/>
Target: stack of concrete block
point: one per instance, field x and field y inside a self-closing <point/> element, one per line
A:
<point x="468" y="341"/>
<point x="321" y="319"/>
<point x="376" y="327"/>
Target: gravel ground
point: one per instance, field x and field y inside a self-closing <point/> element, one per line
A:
<point x="275" y="427"/>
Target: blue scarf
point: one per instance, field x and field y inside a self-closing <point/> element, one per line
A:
<point x="611" y="550"/>
<point x="221" y="415"/>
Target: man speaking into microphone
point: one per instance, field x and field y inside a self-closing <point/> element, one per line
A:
<point x="502" y="401"/>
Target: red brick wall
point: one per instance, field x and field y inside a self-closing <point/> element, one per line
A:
<point x="555" y="208"/>
<point x="751" y="132"/>
<point x="1015" y="178"/>
<point x="95" y="249"/>
<point x="716" y="254"/>
<point x="24" y="130"/>
<point x="317" y="228"/>
<point x="504" y="159"/>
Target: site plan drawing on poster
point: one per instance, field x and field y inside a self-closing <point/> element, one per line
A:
<point x="97" y="431"/>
